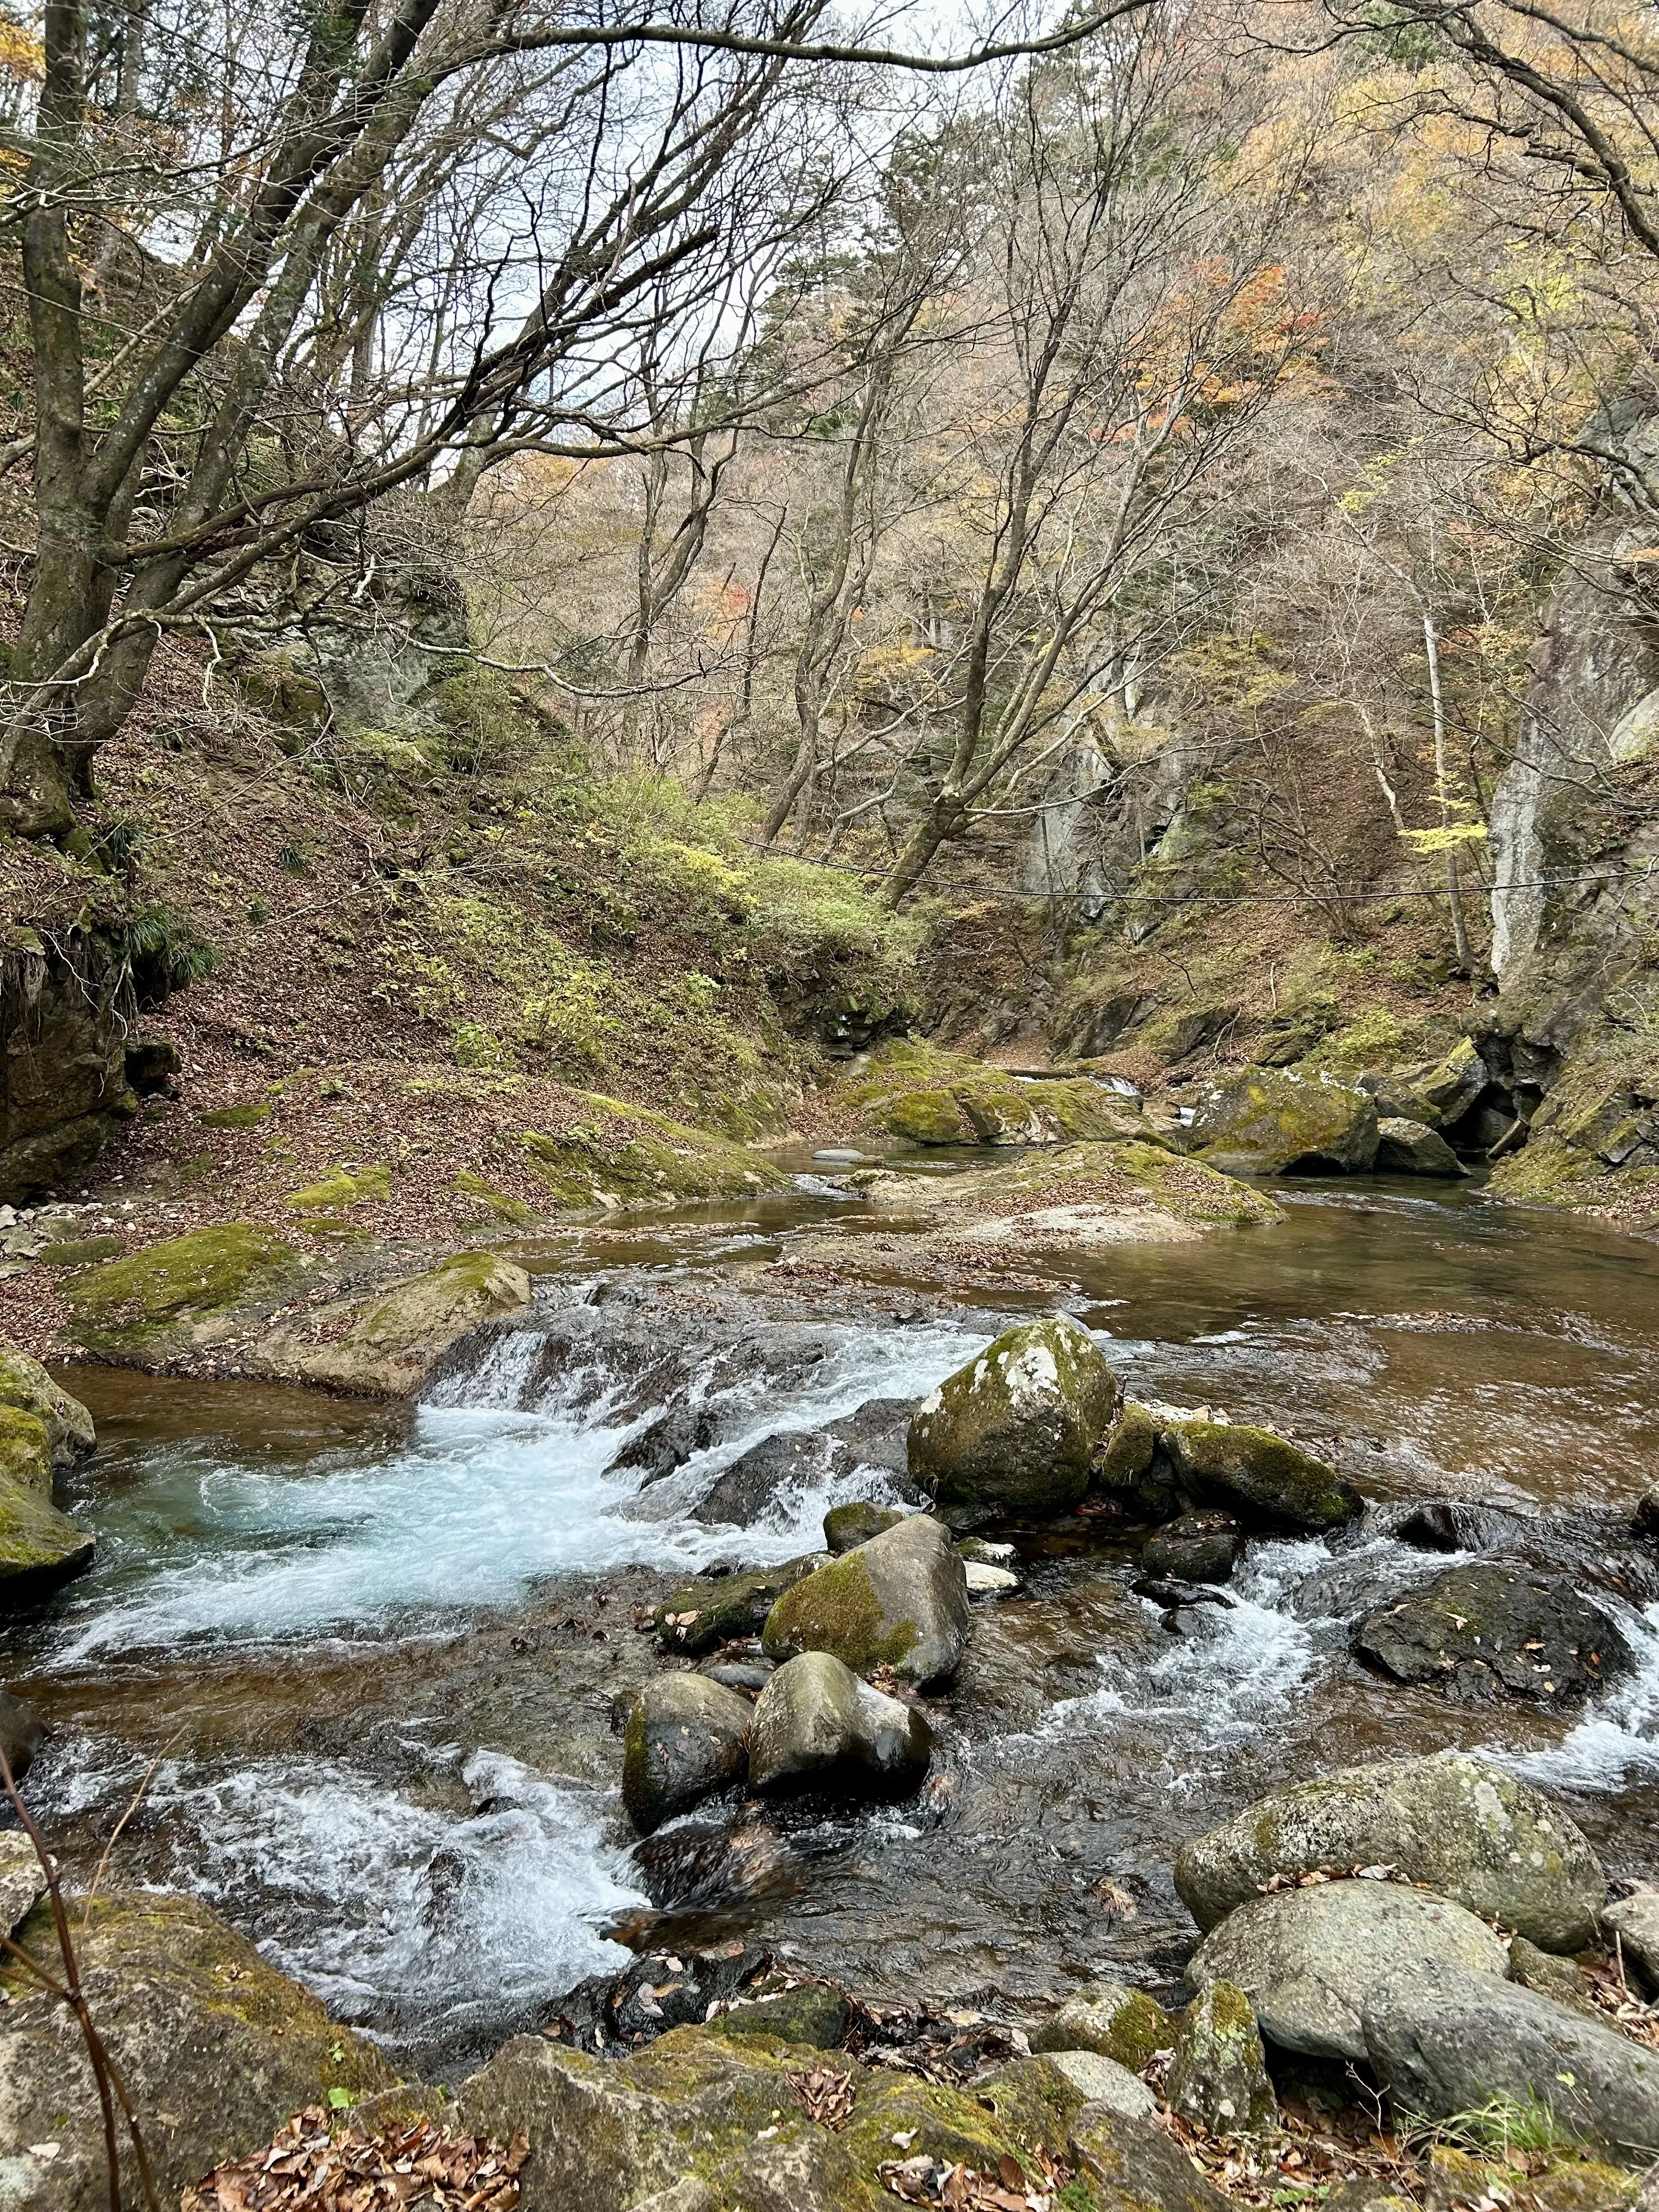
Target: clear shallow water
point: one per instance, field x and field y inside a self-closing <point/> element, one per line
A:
<point x="380" y="1660"/>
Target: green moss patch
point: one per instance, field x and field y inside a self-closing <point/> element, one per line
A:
<point x="120" y="1304"/>
<point x="344" y="1188"/>
<point x="628" y="1156"/>
<point x="246" y="1117"/>
<point x="504" y="1208"/>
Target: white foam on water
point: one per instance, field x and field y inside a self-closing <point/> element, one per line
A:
<point x="389" y="1909"/>
<point x="1619" y="1737"/>
<point x="481" y="1503"/>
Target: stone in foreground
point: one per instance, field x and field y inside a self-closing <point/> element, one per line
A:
<point x="40" y="1546"/>
<point x="1501" y="1630"/>
<point x="815" y="1726"/>
<point x="698" y="2119"/>
<point x="899" y="1600"/>
<point x="727" y="1608"/>
<point x="1198" y="1547"/>
<point x="1219" y="2080"/>
<point x="1272" y="1122"/>
<point x="1111" y="2017"/>
<point x="1308" y="1959"/>
<point x="687" y="1737"/>
<point x="1014" y="1430"/>
<point x="1104" y="2082"/>
<point x="216" y="2047"/>
<point x="1635" y="1921"/>
<point x="1441" y="2039"/>
<point x="1462" y="1825"/>
<point x="1254" y="1472"/>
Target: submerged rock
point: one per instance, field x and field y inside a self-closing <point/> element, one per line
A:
<point x="815" y="1726"/>
<point x="1119" y="2022"/>
<point x="1308" y="1959"/>
<point x="216" y="2049"/>
<point x="1219" y="2080"/>
<point x="1407" y="1147"/>
<point x="899" y="1600"/>
<point x="1016" y="1428"/>
<point x="663" y="1445"/>
<point x="1267" y="1476"/>
<point x="1484" y="1632"/>
<point x="726" y="1608"/>
<point x="1196" y="1548"/>
<point x="797" y="1460"/>
<point x="1441" y="2039"/>
<point x="1272" y="1122"/>
<point x="686" y="1738"/>
<point x="1462" y="1825"/>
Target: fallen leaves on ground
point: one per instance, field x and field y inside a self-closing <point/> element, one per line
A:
<point x="1305" y="2153"/>
<point x="825" y="2096"/>
<point x="1612" y="1995"/>
<point x="924" y="2179"/>
<point x="355" y="2171"/>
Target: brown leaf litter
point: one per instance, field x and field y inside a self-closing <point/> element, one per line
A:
<point x="354" y="2170"/>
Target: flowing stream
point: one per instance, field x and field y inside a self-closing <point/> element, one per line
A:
<point x="369" y="1665"/>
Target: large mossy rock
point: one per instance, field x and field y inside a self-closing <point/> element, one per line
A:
<point x="1496" y="1629"/>
<point x="1014" y="1429"/>
<point x="62" y="1035"/>
<point x="1442" y="2040"/>
<point x="1272" y="1122"/>
<point x="815" y="1726"/>
<point x="1261" y="1475"/>
<point x="703" y="2122"/>
<point x="926" y="1096"/>
<point x="186" y="1289"/>
<point x="40" y="1546"/>
<point x="1308" y="1959"/>
<point x="217" y="2048"/>
<point x="382" y="1346"/>
<point x="1459" y="1825"/>
<point x="686" y="1738"/>
<point x="899" y="1601"/>
<point x="26" y="1386"/>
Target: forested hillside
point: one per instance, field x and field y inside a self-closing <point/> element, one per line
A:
<point x="1132" y="553"/>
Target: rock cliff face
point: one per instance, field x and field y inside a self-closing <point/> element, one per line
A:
<point x="62" y="1084"/>
<point x="1573" y="1035"/>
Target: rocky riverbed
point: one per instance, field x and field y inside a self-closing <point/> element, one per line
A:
<point x="700" y="1650"/>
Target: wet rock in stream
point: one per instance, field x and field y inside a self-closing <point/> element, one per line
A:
<point x="1120" y="2023"/>
<point x="815" y="1726"/>
<point x="1198" y="1547"/>
<point x="687" y="1738"/>
<point x="1015" y="1429"/>
<point x="900" y="1600"/>
<point x="1486" y="1632"/>
<point x="726" y="1608"/>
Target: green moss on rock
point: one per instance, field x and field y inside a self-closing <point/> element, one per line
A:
<point x="1261" y="1473"/>
<point x="703" y="1615"/>
<point x="623" y="1155"/>
<point x="1017" y="1426"/>
<point x="124" y="1302"/>
<point x="837" y="1609"/>
<point x="341" y="1188"/>
<point x="248" y="1116"/>
<point x="505" y="1208"/>
<point x="25" y="1384"/>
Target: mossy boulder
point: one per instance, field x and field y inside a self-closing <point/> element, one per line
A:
<point x="1453" y="1087"/>
<point x="686" y="1738"/>
<point x="1273" y="1122"/>
<point x="382" y="1346"/>
<point x="926" y="1096"/>
<point x="1109" y="2017"/>
<point x="1261" y="1475"/>
<point x="26" y="1385"/>
<point x="40" y="1546"/>
<point x="186" y="1285"/>
<point x="846" y="1526"/>
<point x="1407" y="1147"/>
<point x="1016" y="1428"/>
<point x="618" y="1155"/>
<point x="898" y="1601"/>
<point x="1219" y="2080"/>
<point x="815" y="1726"/>
<point x="216" y="2049"/>
<point x="701" y="2121"/>
<point x="723" y="1608"/>
<point x="343" y="1188"/>
<point x="1459" y="1825"/>
<point x="500" y="1203"/>
<point x="815" y="2014"/>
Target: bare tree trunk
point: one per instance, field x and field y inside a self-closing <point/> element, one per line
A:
<point x="1437" y="708"/>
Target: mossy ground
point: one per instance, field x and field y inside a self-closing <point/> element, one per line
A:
<point x="121" y="1304"/>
